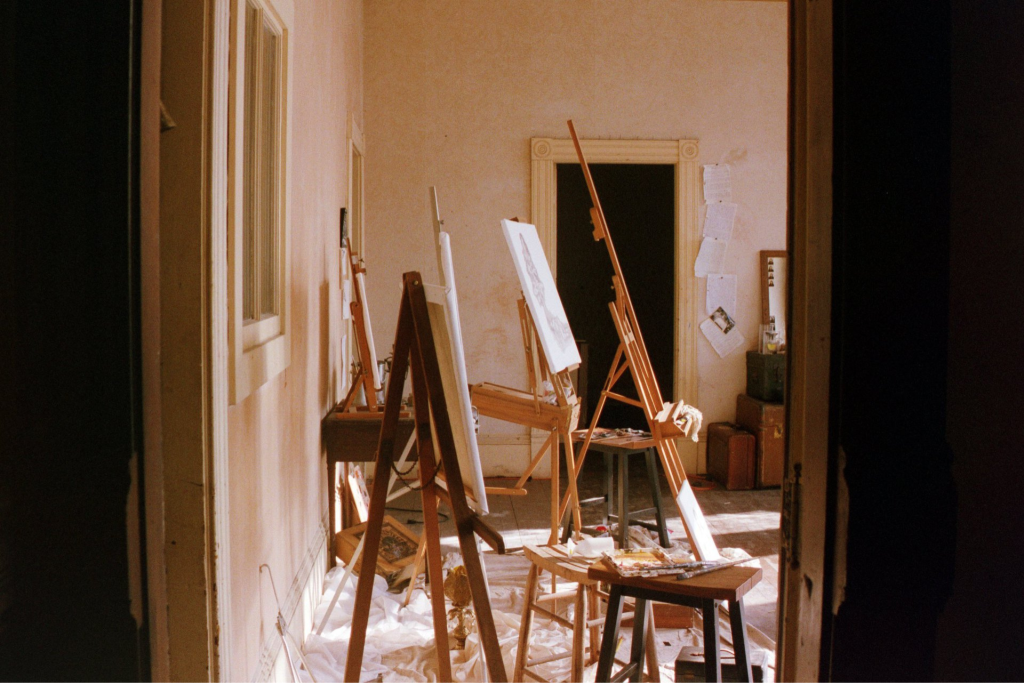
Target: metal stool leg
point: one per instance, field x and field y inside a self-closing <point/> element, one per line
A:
<point x="652" y="475"/>
<point x="608" y="512"/>
<point x="641" y="614"/>
<point x="712" y="661"/>
<point x="613" y="617"/>
<point x="622" y="493"/>
<point x="738" y="623"/>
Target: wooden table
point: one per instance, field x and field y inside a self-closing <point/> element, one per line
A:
<point x="349" y="437"/>
<point x="729" y="585"/>
<point x="621" y="449"/>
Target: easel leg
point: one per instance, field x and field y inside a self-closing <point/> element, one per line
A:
<point x="378" y="500"/>
<point x="613" y="376"/>
<point x="556" y="488"/>
<point x="570" y="467"/>
<point x="431" y="523"/>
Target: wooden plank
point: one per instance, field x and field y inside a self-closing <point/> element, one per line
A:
<point x="431" y="523"/>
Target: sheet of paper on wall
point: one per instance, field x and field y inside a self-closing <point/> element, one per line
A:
<point x="721" y="292"/>
<point x="721" y="330"/>
<point x="717" y="183"/>
<point x="711" y="257"/>
<point x="720" y="220"/>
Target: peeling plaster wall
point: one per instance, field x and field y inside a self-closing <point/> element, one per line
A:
<point x="278" y="497"/>
<point x="455" y="89"/>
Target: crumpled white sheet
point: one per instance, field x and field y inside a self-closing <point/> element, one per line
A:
<point x="400" y="641"/>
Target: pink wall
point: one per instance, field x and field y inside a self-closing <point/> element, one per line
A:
<point x="277" y="483"/>
<point x="456" y="88"/>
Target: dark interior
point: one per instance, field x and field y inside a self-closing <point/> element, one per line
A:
<point x="639" y="205"/>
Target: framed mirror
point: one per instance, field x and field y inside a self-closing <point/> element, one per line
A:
<point x="773" y="292"/>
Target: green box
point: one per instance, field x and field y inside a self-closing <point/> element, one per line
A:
<point x="766" y="376"/>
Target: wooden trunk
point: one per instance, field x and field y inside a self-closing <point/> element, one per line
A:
<point x="767" y="421"/>
<point x="731" y="456"/>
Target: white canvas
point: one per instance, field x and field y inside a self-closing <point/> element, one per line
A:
<point x="443" y="307"/>
<point x="541" y="295"/>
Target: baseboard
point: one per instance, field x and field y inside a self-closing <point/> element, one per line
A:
<point x="297" y="607"/>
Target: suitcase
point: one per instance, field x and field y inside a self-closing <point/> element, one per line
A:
<point x="731" y="456"/>
<point x="766" y="376"/>
<point x="767" y="421"/>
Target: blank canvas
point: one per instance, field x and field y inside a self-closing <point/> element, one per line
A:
<point x="443" y="308"/>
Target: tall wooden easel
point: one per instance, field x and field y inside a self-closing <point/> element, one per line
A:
<point x="367" y="373"/>
<point x="415" y="350"/>
<point x="667" y="421"/>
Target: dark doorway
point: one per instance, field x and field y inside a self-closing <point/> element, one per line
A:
<point x="639" y="204"/>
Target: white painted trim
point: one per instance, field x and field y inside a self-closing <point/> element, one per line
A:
<point x="305" y="591"/>
<point x="218" y="336"/>
<point x="546" y="152"/>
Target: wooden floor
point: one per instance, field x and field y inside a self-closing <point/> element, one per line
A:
<point x="737" y="519"/>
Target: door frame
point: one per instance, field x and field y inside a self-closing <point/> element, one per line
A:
<point x="546" y="153"/>
<point x="193" y="368"/>
<point x="802" y="564"/>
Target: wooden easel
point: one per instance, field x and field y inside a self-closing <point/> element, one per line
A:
<point x="530" y="408"/>
<point x="667" y="421"/>
<point x="366" y="374"/>
<point x="415" y="351"/>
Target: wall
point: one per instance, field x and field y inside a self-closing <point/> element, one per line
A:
<point x="456" y="89"/>
<point x="277" y="492"/>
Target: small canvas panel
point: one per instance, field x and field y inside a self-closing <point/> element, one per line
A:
<point x="696" y="526"/>
<point x="442" y="308"/>
<point x="373" y="369"/>
<point x="541" y="295"/>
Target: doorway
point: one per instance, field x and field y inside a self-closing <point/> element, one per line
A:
<point x="639" y="200"/>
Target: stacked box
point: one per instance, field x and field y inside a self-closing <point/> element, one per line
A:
<point x="766" y="376"/>
<point x="767" y="421"/>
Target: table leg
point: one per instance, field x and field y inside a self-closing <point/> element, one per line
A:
<point x="738" y="623"/>
<point x="641" y="612"/>
<point x="652" y="475"/>
<point x="332" y="502"/>
<point x="609" y="641"/>
<point x="712" y="661"/>
<point x="608" y="512"/>
<point x="622" y="492"/>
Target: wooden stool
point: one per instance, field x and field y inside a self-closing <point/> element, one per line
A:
<point x="554" y="559"/>
<point x="621" y="449"/>
<point x="729" y="584"/>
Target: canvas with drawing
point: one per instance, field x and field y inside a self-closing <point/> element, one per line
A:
<point x="541" y="295"/>
<point x="443" y="308"/>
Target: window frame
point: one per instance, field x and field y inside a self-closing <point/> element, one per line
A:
<point x="258" y="350"/>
